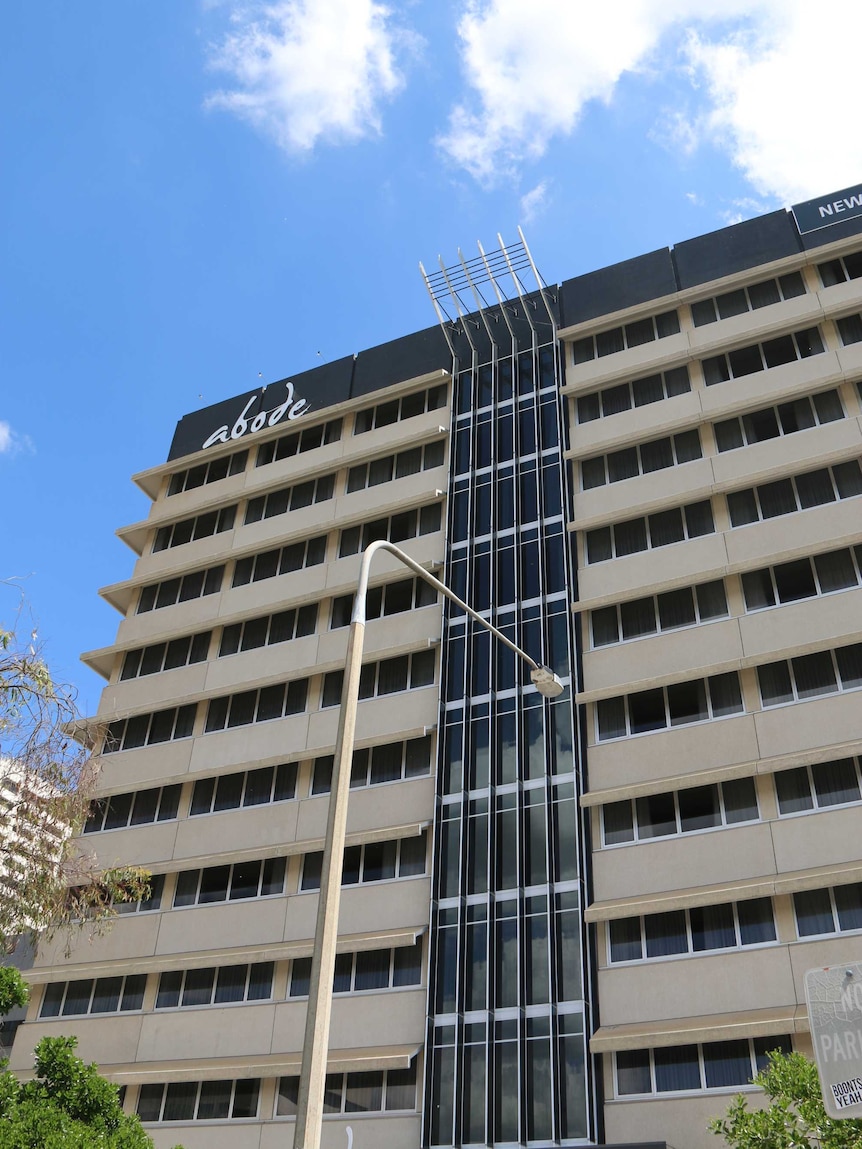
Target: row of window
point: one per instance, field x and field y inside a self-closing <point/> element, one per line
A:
<point x="292" y="498"/>
<point x="394" y="410"/>
<point x="701" y="929"/>
<point x="828" y="911"/>
<point x="298" y="442"/>
<point x="798" y="493"/>
<point x="787" y="582"/>
<point x="198" y="527"/>
<point x="684" y="1068"/>
<point x="389" y="676"/>
<point x="262" y="705"/>
<point x="819" y="786"/>
<point x="185" y="651"/>
<point x="382" y="601"/>
<point x="810" y="675"/>
<point x="209" y="472"/>
<point x="772" y="422"/>
<point x="642" y="459"/>
<point x="657" y="530"/>
<point x="284" y="560"/>
<point x="409" y="462"/>
<point x="850" y="328"/>
<point x="364" y="971"/>
<point x="388" y="762"/>
<point x="373" y="1091"/>
<point x="268" y="630"/>
<point x="750" y="298"/>
<point x="224" y="985"/>
<point x="664" y="707"/>
<point x="634" y="334"/>
<point x="680" y="812"/>
<point x="150" y="729"/>
<point x="371" y="862"/>
<point x="199" y="1100"/>
<point x="840" y="270"/>
<point x="656" y="613"/>
<point x="234" y="882"/>
<point x="762" y="356"/>
<point x="496" y="437"/>
<point x="638" y="393"/>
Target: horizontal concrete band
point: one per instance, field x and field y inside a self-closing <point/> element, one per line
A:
<point x="201" y="959"/>
<point x="741" y="890"/>
<point x="724" y="773"/>
<point x="687" y="1030"/>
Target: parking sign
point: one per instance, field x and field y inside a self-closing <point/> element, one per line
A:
<point x="834" y="997"/>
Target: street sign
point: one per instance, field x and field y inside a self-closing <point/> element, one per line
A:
<point x="834" y="997"/>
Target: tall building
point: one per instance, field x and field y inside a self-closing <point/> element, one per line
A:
<point x="583" y="921"/>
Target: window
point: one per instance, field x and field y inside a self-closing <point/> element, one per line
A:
<point x="399" y="466"/>
<point x="298" y="442"/>
<point x="392" y="675"/>
<point x="184" y="988"/>
<point x="102" y="995"/>
<point x="762" y="356"/>
<point x="368" y="970"/>
<point x="268" y="630"/>
<point x="135" y="809"/>
<point x="198" y="1100"/>
<point x="810" y="675"/>
<point x="206" y="473"/>
<point x="785" y="419"/>
<point x="638" y="393"/>
<point x="667" y="706"/>
<point x="622" y="338"/>
<point x="284" y="560"/>
<point x="658" y="530"/>
<point x="146" y="905"/>
<point x="236" y="882"/>
<point x="372" y="862"/>
<point x="641" y="460"/>
<point x="389" y="762"/>
<point x="669" y="611"/>
<point x="149" y="729"/>
<point x="248" y="788"/>
<point x="702" y="929"/>
<point x="831" y="911"/>
<point x="396" y="529"/>
<point x="381" y="601"/>
<point x="196" y="585"/>
<point x="850" y="329"/>
<point x="746" y="299"/>
<point x="840" y="270"/>
<point x="407" y="407"/>
<point x="264" y="705"/>
<point x="190" y="530"/>
<point x="798" y="493"/>
<point x="683" y="812"/>
<point x="677" y="1068"/>
<point x="819" y="786"/>
<point x="802" y="578"/>
<point x="290" y="499"/>
<point x="372" y="1091"/>
<point x="166" y="655"/>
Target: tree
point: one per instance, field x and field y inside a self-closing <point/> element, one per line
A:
<point x="14" y="991"/>
<point x="48" y="882"/>
<point x="68" y="1106"/>
<point x="796" y="1117"/>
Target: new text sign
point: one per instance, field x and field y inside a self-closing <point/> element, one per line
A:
<point x="834" y="997"/>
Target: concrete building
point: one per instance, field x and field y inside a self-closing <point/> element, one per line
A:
<point x="583" y="921"/>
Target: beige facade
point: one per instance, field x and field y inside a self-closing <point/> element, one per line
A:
<point x="718" y="839"/>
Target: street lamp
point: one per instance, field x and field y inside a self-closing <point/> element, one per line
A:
<point x="312" y="1079"/>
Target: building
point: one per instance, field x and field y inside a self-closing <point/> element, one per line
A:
<point x="558" y="925"/>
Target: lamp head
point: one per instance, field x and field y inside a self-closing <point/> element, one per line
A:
<point x="546" y="682"/>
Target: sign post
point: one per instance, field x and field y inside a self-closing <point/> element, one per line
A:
<point x="834" y="998"/>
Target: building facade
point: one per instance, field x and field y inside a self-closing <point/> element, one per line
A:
<point x="583" y="921"/>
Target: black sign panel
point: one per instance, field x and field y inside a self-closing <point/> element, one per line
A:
<point x="828" y="209"/>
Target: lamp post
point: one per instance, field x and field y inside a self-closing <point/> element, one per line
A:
<point x="312" y="1080"/>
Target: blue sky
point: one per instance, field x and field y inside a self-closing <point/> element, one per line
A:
<point x="200" y="194"/>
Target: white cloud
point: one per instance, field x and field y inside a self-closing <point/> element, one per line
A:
<point x="534" y="201"/>
<point x="773" y="82"/>
<point x="11" y="443"/>
<point x="308" y="71"/>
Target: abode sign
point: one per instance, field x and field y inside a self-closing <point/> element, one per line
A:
<point x="834" y="997"/>
<point x="828" y="209"/>
<point x="250" y="420"/>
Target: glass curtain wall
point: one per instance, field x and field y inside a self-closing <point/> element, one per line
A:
<point x="507" y="1057"/>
